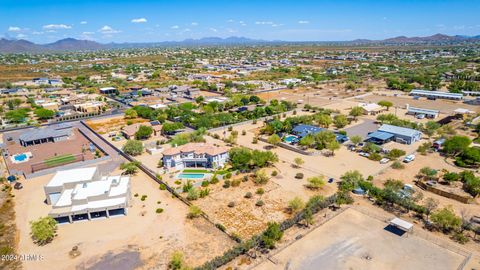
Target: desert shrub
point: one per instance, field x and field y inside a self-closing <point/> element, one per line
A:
<point x="205" y="183"/>
<point x="395" y="153"/>
<point x="397" y="165"/>
<point x="244" y="133"/>
<point x="143" y="198"/>
<point x="460" y="238"/>
<point x="214" y="180"/>
<point x="159" y="210"/>
<point x="343" y="197"/>
<point x="375" y="157"/>
<point x="230" y="128"/>
<point x="204" y="192"/>
<point x="245" y="178"/>
<point x="162" y="187"/>
<point x="193" y="194"/>
<point x="135" y="195"/>
<point x="43" y="230"/>
<point x="274" y="173"/>
<point x="271" y="235"/>
<point x="226" y="184"/>
<point x="299" y="176"/>
<point x="259" y="203"/>
<point x="176" y="261"/>
<point x="231" y="204"/>
<point x="187" y="186"/>
<point x="260" y="191"/>
<point x="236" y="183"/>
<point x="194" y="211"/>
<point x="228" y="175"/>
<point x="260" y="178"/>
<point x="248" y="195"/>
<point x="220" y="227"/>
<point x="255" y="140"/>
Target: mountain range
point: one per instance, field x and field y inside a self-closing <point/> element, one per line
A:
<point x="71" y="44"/>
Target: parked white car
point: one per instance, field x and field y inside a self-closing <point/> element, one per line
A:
<point x="384" y="160"/>
<point x="409" y="158"/>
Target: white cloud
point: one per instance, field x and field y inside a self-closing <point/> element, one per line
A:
<point x="194" y="24"/>
<point x="230" y="21"/>
<point x="264" y="23"/>
<point x="51" y="31"/>
<point x="37" y="33"/>
<point x="242" y="23"/>
<point x="303" y="22"/>
<point x="83" y="22"/>
<point x="21" y="36"/>
<point x="229" y="30"/>
<point x="108" y="30"/>
<point x="277" y="25"/>
<point x="87" y="35"/>
<point x="56" y="26"/>
<point x="139" y="20"/>
<point x="14" y="29"/>
<point x="213" y="29"/>
<point x="175" y="27"/>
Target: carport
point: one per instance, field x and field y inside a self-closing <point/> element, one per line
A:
<point x="379" y="137"/>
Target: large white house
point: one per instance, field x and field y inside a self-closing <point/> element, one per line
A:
<point x="192" y="155"/>
<point x="83" y="194"/>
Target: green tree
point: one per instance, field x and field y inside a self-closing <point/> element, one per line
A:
<point x="130" y="114"/>
<point x="340" y="121"/>
<point x="456" y="145"/>
<point x="430" y="128"/>
<point x="323" y="138"/>
<point x="298" y="162"/>
<point x="44" y="114"/>
<point x="307" y="141"/>
<point x="355" y="139"/>
<point x="316" y="182"/>
<point x="296" y="204"/>
<point x="271" y="235"/>
<point x="333" y="146"/>
<point x="323" y="120"/>
<point x="177" y="261"/>
<point x="170" y="128"/>
<point x="274" y="139"/>
<point x="430" y="205"/>
<point x="130" y="167"/>
<point x="17" y="116"/>
<point x="350" y="180"/>
<point x="43" y="230"/>
<point x="446" y="220"/>
<point x="133" y="147"/>
<point x="355" y="112"/>
<point x="385" y="103"/>
<point x="143" y="132"/>
<point x="393" y="184"/>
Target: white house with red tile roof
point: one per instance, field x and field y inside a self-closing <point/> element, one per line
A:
<point x="193" y="155"/>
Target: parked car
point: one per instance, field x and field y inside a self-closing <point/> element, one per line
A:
<point x="409" y="158"/>
<point x="420" y="116"/>
<point x="330" y="180"/>
<point x="364" y="154"/>
<point x="384" y="160"/>
<point x="18" y="185"/>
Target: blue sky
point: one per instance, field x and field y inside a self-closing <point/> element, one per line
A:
<point x="300" y="20"/>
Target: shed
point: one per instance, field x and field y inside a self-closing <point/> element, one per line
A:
<point x="402" y="134"/>
<point x="379" y="137"/>
<point x="401" y="224"/>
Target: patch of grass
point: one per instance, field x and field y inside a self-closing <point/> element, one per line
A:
<point x="59" y="160"/>
<point x="195" y="171"/>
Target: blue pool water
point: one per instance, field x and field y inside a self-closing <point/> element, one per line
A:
<point x="291" y="138"/>
<point x="191" y="175"/>
<point x="20" y="157"/>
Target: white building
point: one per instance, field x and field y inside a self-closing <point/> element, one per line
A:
<point x="83" y="194"/>
<point x="192" y="155"/>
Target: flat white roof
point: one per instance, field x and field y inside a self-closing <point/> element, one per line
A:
<point x="370" y="106"/>
<point x="72" y="176"/>
<point x="99" y="204"/>
<point x="401" y="224"/>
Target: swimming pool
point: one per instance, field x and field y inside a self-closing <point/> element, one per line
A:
<point x="20" y="157"/>
<point x="291" y="139"/>
<point x="191" y="175"/>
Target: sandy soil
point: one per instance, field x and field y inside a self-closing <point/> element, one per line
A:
<point x="153" y="236"/>
<point x="346" y="242"/>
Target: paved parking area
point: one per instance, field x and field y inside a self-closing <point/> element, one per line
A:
<point x="363" y="128"/>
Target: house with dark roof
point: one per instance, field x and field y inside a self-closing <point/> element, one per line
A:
<point x="44" y="135"/>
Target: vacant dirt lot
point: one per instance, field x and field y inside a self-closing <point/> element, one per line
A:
<point x="353" y="240"/>
<point x="142" y="238"/>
